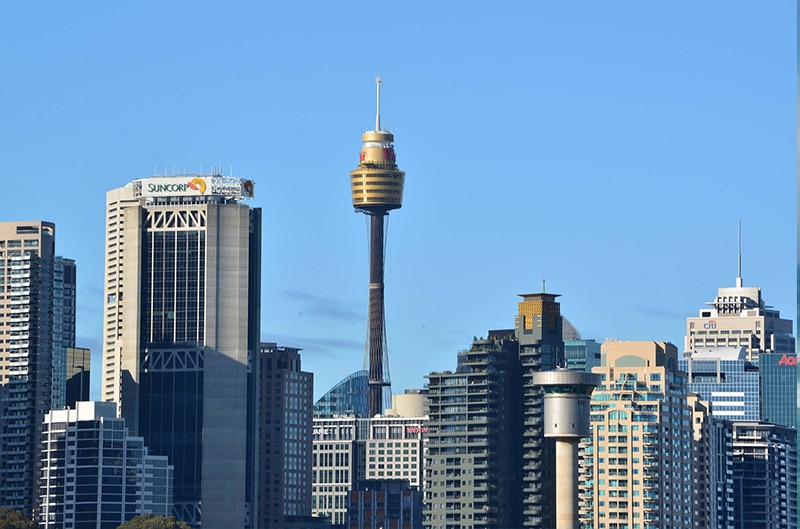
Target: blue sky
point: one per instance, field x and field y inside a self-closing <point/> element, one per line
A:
<point x="607" y="147"/>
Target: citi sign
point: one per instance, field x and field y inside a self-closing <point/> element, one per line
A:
<point x="787" y="360"/>
<point x="710" y="324"/>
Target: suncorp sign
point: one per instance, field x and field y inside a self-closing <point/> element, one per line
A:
<point x="160" y="187"/>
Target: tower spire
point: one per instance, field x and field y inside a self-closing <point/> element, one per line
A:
<point x="378" y="103"/>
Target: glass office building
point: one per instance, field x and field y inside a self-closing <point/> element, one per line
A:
<point x="724" y="377"/>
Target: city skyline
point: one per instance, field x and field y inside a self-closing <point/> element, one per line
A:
<point x="609" y="150"/>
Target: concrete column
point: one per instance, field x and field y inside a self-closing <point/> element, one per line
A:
<point x="566" y="483"/>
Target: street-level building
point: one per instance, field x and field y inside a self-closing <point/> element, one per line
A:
<point x="95" y="474"/>
<point x="348" y="449"/>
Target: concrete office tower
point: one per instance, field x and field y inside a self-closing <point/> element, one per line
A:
<point x="286" y="423"/>
<point x="764" y="475"/>
<point x="738" y="316"/>
<point x="638" y="467"/>
<point x="349" y="449"/>
<point x="34" y="340"/>
<point x="95" y="474"/>
<point x="472" y="464"/>
<point x="182" y="288"/>
<point x="566" y="419"/>
<point x="79" y="367"/>
<point x="538" y="329"/>
<point x="377" y="188"/>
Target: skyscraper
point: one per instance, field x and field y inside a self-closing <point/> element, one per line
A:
<point x="538" y="328"/>
<point x="739" y="317"/>
<point x="182" y="287"/>
<point x="36" y="337"/>
<point x="472" y="465"/>
<point x="285" y="417"/>
<point x="638" y="465"/>
<point x="377" y="188"/>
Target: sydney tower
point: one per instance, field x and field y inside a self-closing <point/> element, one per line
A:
<point x="377" y="188"/>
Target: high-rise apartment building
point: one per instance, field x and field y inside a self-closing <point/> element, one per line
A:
<point x="284" y="442"/>
<point x="538" y="328"/>
<point x="472" y="464"/>
<point x="182" y="311"/>
<point x="764" y="475"/>
<point x="638" y="465"/>
<point x="95" y="474"/>
<point x="348" y="449"/>
<point x="36" y="325"/>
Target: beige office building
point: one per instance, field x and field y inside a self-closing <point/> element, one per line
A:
<point x="182" y="288"/>
<point x="739" y="317"/>
<point x="638" y="466"/>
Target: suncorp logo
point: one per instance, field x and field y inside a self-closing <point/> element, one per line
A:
<point x="195" y="184"/>
<point x="710" y="324"/>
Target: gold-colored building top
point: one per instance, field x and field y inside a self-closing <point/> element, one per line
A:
<point x="377" y="184"/>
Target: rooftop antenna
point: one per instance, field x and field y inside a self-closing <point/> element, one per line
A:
<point x="739" y="256"/>
<point x="543" y="289"/>
<point x="378" y="103"/>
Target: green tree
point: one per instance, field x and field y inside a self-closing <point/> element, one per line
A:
<point x="149" y="521"/>
<point x="12" y="519"/>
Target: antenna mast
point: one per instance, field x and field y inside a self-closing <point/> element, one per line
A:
<point x="378" y="104"/>
<point x="739" y="258"/>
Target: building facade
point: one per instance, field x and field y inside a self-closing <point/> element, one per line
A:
<point x="582" y="355"/>
<point x="182" y="317"/>
<point x="638" y="466"/>
<point x="79" y="368"/>
<point x="764" y="475"/>
<point x="349" y="449"/>
<point x="724" y="377"/>
<point x="778" y="374"/>
<point x="94" y="474"/>
<point x="34" y="338"/>
<point x="285" y="441"/>
<point x="472" y="464"/>
<point x="65" y="287"/>
<point x="384" y="504"/>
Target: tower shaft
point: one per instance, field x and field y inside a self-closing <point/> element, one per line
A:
<point x="376" y="339"/>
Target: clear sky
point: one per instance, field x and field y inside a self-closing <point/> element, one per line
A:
<point x="607" y="147"/>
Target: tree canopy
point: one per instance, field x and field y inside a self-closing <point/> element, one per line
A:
<point x="150" y="521"/>
<point x="13" y="519"/>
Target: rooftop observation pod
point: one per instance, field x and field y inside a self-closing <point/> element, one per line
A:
<point x="377" y="183"/>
